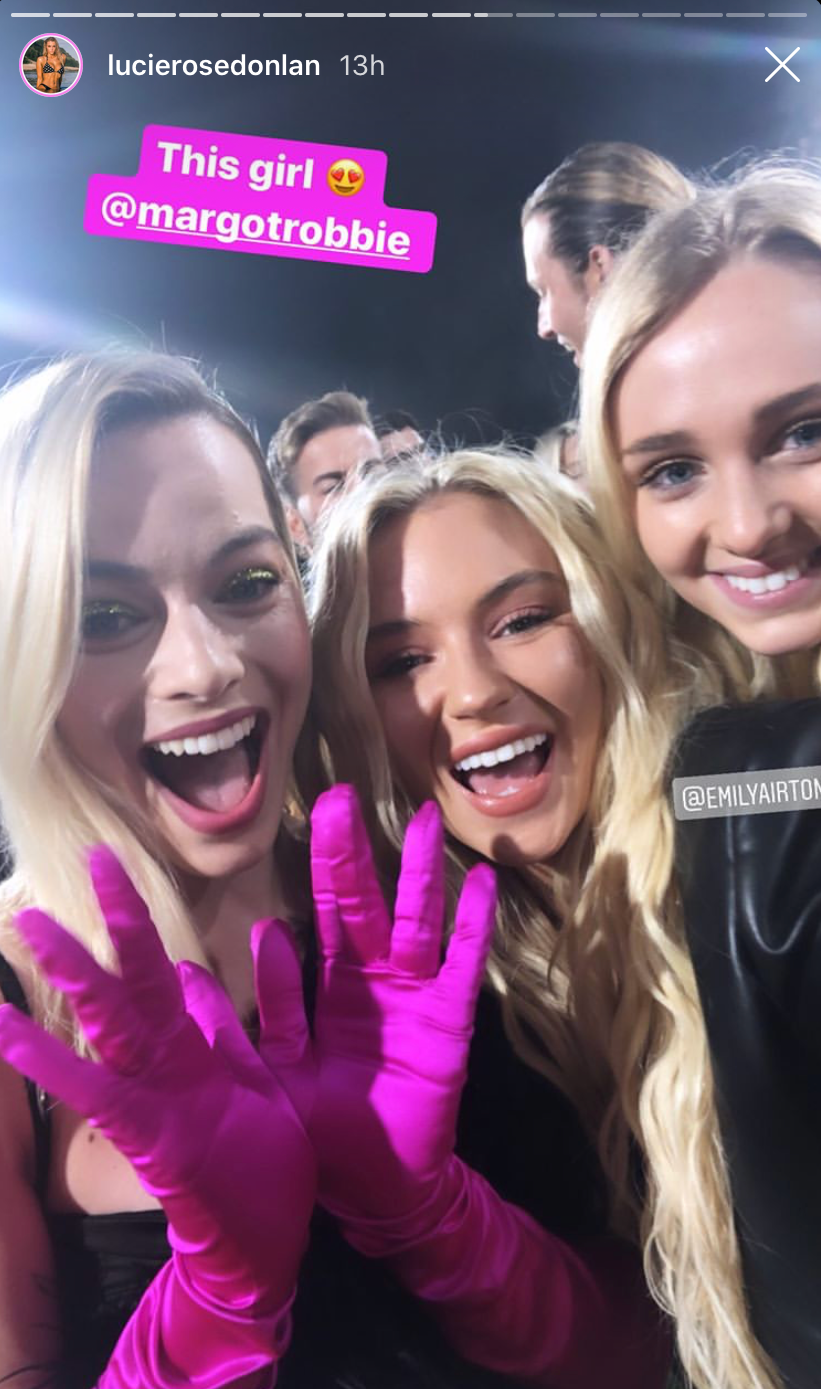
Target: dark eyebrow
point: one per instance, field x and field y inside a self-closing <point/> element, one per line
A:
<point x="765" y="415"/>
<point x="783" y="404"/>
<point x="397" y="628"/>
<point x="514" y="581"/>
<point x="115" y="569"/>
<point x="525" y="576"/>
<point x="661" y="443"/>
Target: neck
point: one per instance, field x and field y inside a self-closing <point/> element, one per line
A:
<point x="223" y="911"/>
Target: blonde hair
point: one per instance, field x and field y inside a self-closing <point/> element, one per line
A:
<point x="52" y="809"/>
<point x="578" y="1000"/>
<point x="771" y="211"/>
<point x="602" y="195"/>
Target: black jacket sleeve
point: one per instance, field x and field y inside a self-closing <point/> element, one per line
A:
<point x="751" y="892"/>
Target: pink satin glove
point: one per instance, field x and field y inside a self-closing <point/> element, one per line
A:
<point x="392" y="1033"/>
<point x="183" y="1095"/>
<point x="393" y="1023"/>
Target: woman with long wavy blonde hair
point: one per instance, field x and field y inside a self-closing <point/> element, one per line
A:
<point x="701" y="420"/>
<point x="595" y="983"/>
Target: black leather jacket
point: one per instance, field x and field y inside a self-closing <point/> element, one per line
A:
<point x="751" y="887"/>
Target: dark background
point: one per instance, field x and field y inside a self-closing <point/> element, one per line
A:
<point x="472" y="114"/>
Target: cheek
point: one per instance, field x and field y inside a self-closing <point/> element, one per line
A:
<point x="648" y="532"/>
<point x="280" y="646"/>
<point x="564" y="672"/>
<point x="578" y="694"/>
<point x="407" y="735"/>
<point x="666" y="534"/>
<point x="101" y="715"/>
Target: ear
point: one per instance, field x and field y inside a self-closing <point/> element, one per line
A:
<point x="296" y="527"/>
<point x="599" y="265"/>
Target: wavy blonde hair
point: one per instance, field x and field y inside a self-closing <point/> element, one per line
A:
<point x="573" y="957"/>
<point x="52" y="809"/>
<point x="770" y="211"/>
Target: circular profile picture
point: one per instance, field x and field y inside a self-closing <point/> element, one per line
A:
<point x="51" y="64"/>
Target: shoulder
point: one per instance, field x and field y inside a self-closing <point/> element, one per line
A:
<point x="16" y="1129"/>
<point x="750" y="873"/>
<point x="750" y="737"/>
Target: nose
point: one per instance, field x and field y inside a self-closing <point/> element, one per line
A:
<point x="544" y="320"/>
<point x="195" y="658"/>
<point x="476" y="686"/>
<point x="751" y="516"/>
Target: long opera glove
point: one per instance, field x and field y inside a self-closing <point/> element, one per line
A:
<point x="392" y="1035"/>
<point x="213" y="1136"/>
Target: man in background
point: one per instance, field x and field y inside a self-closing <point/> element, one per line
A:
<point x="398" y="434"/>
<point x="313" y="451"/>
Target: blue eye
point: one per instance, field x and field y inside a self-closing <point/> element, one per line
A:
<point x="105" y="621"/>
<point x="806" y="435"/>
<point x="666" y="477"/>
<point x="251" y="584"/>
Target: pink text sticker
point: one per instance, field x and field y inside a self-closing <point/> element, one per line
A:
<point x="265" y="196"/>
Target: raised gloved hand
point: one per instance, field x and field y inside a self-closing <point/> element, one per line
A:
<point x="182" y="1094"/>
<point x="393" y="1023"/>
<point x="392" y="1034"/>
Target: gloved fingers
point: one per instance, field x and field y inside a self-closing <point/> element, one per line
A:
<point x="351" y="915"/>
<point x="80" y="1084"/>
<point x="145" y="967"/>
<point x="460" y="977"/>
<point x="416" y="942"/>
<point x="99" y="999"/>
<point x="284" y="1036"/>
<point x="207" y="1003"/>
<point x="285" y="1042"/>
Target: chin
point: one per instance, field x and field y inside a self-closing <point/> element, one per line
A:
<point x="521" y="847"/>
<point x="780" y="638"/>
<point x="219" y="856"/>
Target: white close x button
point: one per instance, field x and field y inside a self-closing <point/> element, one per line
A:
<point x="782" y="63"/>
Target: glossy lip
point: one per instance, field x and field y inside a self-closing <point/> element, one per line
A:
<point x="500" y="807"/>
<point x="792" y="595"/>
<point x="212" y="822"/>
<point x="203" y="726"/>
<point x="487" y="742"/>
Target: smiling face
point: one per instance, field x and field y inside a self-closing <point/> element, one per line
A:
<point x="194" y="671"/>
<point x="488" y="694"/>
<point x="718" y="424"/>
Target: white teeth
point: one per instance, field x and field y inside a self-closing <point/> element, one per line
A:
<point x="766" y="584"/>
<point x="220" y="741"/>
<point x="506" y="753"/>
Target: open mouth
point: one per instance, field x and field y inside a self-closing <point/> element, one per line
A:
<point x="214" y="772"/>
<point x="505" y="770"/>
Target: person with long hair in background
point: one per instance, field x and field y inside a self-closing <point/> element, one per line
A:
<point x="579" y="220"/>
<point x="575" y="224"/>
<point x="702" y="431"/>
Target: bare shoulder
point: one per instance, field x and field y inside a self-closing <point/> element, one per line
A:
<point x="30" y="1333"/>
<point x="16" y="1127"/>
